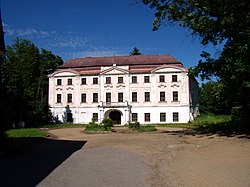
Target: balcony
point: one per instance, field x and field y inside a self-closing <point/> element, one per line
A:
<point x="113" y="104"/>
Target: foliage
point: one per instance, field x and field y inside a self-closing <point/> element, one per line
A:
<point x="63" y="125"/>
<point x="93" y="126"/>
<point x="25" y="81"/>
<point x="212" y="98"/>
<point x="135" y="52"/>
<point x="107" y="123"/>
<point x="136" y="125"/>
<point x="20" y="139"/>
<point x="224" y="22"/>
<point x="140" y="128"/>
<point x="25" y="133"/>
<point x="211" y="119"/>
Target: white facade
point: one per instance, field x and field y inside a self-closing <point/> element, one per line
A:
<point x="157" y="94"/>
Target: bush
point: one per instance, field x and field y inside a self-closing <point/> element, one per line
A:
<point x="107" y="123"/>
<point x="136" y="125"/>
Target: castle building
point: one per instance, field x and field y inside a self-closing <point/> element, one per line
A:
<point x="150" y="89"/>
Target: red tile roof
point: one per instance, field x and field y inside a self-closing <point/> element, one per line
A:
<point x="120" y="60"/>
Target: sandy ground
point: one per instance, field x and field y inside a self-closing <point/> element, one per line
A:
<point x="175" y="158"/>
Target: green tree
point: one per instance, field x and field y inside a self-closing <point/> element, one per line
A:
<point x="212" y="98"/>
<point x="135" y="52"/>
<point x="224" y="22"/>
<point x="25" y="72"/>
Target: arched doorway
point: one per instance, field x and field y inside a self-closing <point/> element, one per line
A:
<point x="115" y="115"/>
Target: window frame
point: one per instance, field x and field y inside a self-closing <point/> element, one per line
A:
<point x="120" y="80"/>
<point x="146" y="78"/>
<point x="163" y="117"/>
<point x="69" y="98"/>
<point x="146" y="96"/>
<point x="120" y="97"/>
<point x="58" y="99"/>
<point x="58" y="82"/>
<point x="83" y="97"/>
<point x="108" y="97"/>
<point x="95" y="80"/>
<point x="162" y="98"/>
<point x="175" y="116"/>
<point x="134" y="117"/>
<point x="175" y="96"/>
<point x="134" y="79"/>
<point x="134" y="97"/>
<point x="95" y="117"/>
<point x="70" y="81"/>
<point x="161" y="78"/>
<point x="174" y="78"/>
<point x="95" y="98"/>
<point x="83" y="81"/>
<point x="147" y="117"/>
<point x="108" y="80"/>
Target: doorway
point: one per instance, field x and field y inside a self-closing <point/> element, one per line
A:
<point x="115" y="116"/>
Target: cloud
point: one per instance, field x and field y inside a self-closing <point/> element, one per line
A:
<point x="68" y="41"/>
<point x="27" y="32"/>
<point x="95" y="53"/>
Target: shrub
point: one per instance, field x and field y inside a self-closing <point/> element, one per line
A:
<point x="107" y="123"/>
<point x="136" y="125"/>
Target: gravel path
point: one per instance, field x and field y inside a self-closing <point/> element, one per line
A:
<point x="164" y="158"/>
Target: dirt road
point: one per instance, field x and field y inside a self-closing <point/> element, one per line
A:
<point x="176" y="159"/>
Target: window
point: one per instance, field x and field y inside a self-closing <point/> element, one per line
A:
<point x="95" y="117"/>
<point x="84" y="81"/>
<point x="134" y="96"/>
<point x="174" y="78"/>
<point x="134" y="79"/>
<point x="162" y="117"/>
<point x="108" y="97"/>
<point x="95" y="80"/>
<point x="134" y="117"/>
<point x="69" y="81"/>
<point x="162" y="96"/>
<point x="147" y="96"/>
<point x="175" y="96"/>
<point x="120" y="97"/>
<point x="95" y="97"/>
<point x="162" y="78"/>
<point x="175" y="116"/>
<point x="69" y="98"/>
<point x="59" y="82"/>
<point x="120" y="80"/>
<point x="83" y="98"/>
<point x="108" y="80"/>
<point x="146" y="79"/>
<point x="147" y="117"/>
<point x="59" y="98"/>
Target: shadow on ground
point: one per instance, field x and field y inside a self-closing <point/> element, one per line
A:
<point x="207" y="133"/>
<point x="33" y="165"/>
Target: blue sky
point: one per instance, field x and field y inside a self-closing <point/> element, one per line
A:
<point x="81" y="28"/>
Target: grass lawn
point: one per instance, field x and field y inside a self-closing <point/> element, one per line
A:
<point x="19" y="140"/>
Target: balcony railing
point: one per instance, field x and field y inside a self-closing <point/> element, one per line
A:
<point x="113" y="104"/>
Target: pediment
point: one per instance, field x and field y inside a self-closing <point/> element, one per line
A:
<point x="169" y="69"/>
<point x="64" y="73"/>
<point x="114" y="71"/>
